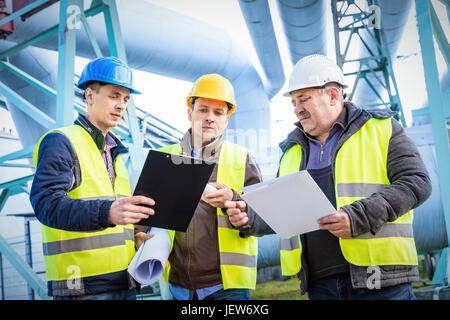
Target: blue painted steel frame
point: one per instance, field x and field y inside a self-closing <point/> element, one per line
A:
<point x="66" y="62"/>
<point x="438" y="110"/>
<point x="381" y="57"/>
<point x="65" y="103"/>
<point x="117" y="49"/>
<point x="24" y="269"/>
<point x="22" y="11"/>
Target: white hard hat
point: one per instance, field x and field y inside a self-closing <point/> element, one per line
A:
<point x="312" y="71"/>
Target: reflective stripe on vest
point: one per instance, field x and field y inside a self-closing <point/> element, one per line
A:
<point x="88" y="243"/>
<point x="69" y="254"/>
<point x="290" y="255"/>
<point x="238" y="256"/>
<point x="360" y="171"/>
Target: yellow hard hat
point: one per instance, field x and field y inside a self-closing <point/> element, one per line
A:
<point x="213" y="86"/>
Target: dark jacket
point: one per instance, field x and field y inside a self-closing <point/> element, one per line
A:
<point x="195" y="260"/>
<point x="410" y="186"/>
<point x="58" y="172"/>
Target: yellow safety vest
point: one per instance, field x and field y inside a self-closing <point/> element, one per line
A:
<point x="70" y="254"/>
<point x="238" y="256"/>
<point x="359" y="172"/>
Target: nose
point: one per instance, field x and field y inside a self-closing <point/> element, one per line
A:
<point x="210" y="116"/>
<point x="122" y="104"/>
<point x="298" y="108"/>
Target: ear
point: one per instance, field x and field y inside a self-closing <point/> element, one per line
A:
<point x="89" y="96"/>
<point x="189" y="112"/>
<point x="334" y="95"/>
<point x="228" y="119"/>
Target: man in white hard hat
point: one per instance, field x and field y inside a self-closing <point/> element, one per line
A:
<point x="373" y="174"/>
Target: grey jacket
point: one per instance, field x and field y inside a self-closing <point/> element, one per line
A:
<point x="410" y="186"/>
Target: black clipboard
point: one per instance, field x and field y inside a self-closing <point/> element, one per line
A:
<point x="176" y="183"/>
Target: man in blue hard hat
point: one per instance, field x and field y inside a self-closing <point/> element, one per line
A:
<point x="81" y="193"/>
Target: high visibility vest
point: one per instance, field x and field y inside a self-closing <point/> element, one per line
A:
<point x="238" y="256"/>
<point x="70" y="255"/>
<point x="360" y="171"/>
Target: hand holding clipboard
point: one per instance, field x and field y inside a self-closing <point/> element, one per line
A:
<point x="176" y="184"/>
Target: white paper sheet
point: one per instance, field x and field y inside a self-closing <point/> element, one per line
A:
<point x="290" y="205"/>
<point x="150" y="260"/>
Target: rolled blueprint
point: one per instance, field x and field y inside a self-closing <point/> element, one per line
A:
<point x="150" y="260"/>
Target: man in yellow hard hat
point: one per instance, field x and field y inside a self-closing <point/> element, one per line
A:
<point x="210" y="261"/>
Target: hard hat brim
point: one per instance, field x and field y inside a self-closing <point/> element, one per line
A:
<point x="189" y="102"/>
<point x="288" y="93"/>
<point x="82" y="85"/>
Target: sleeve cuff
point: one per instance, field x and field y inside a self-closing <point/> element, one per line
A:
<point x="103" y="215"/>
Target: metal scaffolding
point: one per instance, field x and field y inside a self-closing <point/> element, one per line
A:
<point x="355" y="25"/>
<point x="138" y="130"/>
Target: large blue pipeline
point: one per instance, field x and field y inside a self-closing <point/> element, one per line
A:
<point x="259" y="24"/>
<point x="164" y="42"/>
<point x="304" y="26"/>
<point x="161" y="41"/>
<point x="40" y="64"/>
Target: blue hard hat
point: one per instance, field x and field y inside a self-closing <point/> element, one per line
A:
<point x="107" y="69"/>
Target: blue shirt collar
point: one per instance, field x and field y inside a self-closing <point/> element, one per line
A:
<point x="198" y="153"/>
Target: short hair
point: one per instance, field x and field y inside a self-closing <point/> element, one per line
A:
<point x="334" y="85"/>
<point x="93" y="85"/>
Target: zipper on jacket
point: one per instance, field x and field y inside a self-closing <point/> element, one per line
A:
<point x="321" y="152"/>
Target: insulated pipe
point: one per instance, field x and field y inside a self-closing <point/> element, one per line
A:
<point x="269" y="251"/>
<point x="394" y="15"/>
<point x="42" y="65"/>
<point x="161" y="41"/>
<point x="304" y="27"/>
<point x="259" y="24"/>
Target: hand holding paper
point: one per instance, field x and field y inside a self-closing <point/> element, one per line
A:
<point x="338" y="224"/>
<point x="141" y="237"/>
<point x="150" y="260"/>
<point x="217" y="197"/>
<point x="208" y="189"/>
<point x="290" y="205"/>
